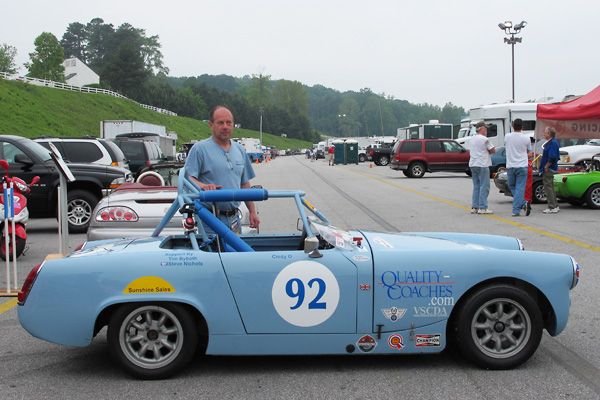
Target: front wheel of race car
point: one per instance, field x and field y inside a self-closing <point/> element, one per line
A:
<point x="152" y="341"/>
<point x="498" y="327"/>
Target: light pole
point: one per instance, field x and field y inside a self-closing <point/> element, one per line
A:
<point x="341" y="117"/>
<point x="511" y="30"/>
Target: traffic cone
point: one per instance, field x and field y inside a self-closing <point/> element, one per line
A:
<point x="257" y="161"/>
<point x="371" y="165"/>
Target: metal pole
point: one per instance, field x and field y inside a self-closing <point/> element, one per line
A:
<point x="513" y="67"/>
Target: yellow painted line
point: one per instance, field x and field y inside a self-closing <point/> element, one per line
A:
<point x="8" y="305"/>
<point x="529" y="228"/>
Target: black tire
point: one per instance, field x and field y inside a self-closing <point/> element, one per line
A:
<point x="576" y="202"/>
<point x="416" y="170"/>
<point x="406" y="173"/>
<point x="20" y="246"/>
<point x="384" y="160"/>
<point x="170" y="346"/>
<point x="592" y="196"/>
<point x="80" y="205"/>
<point x="538" y="193"/>
<point x="498" y="327"/>
<point x="362" y="158"/>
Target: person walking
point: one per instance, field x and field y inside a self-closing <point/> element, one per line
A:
<point x="548" y="167"/>
<point x="518" y="152"/>
<point x="219" y="162"/>
<point x="330" y="154"/>
<point x="479" y="163"/>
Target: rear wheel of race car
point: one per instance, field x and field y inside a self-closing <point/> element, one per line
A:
<point x="80" y="204"/>
<point x="498" y="327"/>
<point x="20" y="246"/>
<point x="592" y="196"/>
<point x="152" y="341"/>
<point x="539" y="195"/>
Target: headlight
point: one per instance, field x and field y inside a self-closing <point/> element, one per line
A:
<point x="116" y="214"/>
<point x="121" y="180"/>
<point x="575" y="273"/>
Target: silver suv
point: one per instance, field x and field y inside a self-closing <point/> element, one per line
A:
<point x="89" y="150"/>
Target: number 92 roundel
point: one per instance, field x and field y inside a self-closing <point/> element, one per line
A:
<point x="305" y="293"/>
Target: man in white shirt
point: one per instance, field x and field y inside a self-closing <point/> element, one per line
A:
<point x="518" y="151"/>
<point x="479" y="163"/>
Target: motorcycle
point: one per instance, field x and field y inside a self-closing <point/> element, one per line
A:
<point x="21" y="216"/>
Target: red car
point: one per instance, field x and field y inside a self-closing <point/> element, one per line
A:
<point x="414" y="157"/>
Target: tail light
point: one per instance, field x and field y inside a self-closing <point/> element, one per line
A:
<point x="116" y="214"/>
<point x="564" y="179"/>
<point x="22" y="296"/>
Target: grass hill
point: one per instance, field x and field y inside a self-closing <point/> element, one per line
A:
<point x="31" y="111"/>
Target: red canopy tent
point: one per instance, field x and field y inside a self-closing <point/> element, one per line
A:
<point x="576" y="119"/>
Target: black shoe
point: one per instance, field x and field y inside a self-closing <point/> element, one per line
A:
<point x="527" y="209"/>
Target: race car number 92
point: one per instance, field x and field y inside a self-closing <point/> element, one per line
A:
<point x="305" y="293"/>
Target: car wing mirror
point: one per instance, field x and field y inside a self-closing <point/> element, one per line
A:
<point x="311" y="247"/>
<point x="23" y="159"/>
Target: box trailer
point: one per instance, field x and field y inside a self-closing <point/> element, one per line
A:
<point x="432" y="130"/>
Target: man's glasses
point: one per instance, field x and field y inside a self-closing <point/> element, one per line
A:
<point x="228" y="161"/>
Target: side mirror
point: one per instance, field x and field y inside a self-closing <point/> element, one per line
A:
<point x="23" y="159"/>
<point x="311" y="247"/>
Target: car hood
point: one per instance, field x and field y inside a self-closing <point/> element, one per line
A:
<point x="428" y="241"/>
<point x="84" y="168"/>
<point x="581" y="149"/>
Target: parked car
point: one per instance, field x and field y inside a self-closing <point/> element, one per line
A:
<point x="87" y="150"/>
<point x="135" y="209"/>
<point x="580" y="156"/>
<point x="498" y="161"/>
<point x="414" y="157"/>
<point x="27" y="158"/>
<point x="581" y="187"/>
<point x="538" y="193"/>
<point x="326" y="290"/>
<point x="140" y="153"/>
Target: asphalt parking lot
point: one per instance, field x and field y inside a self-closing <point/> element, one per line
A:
<point x="351" y="196"/>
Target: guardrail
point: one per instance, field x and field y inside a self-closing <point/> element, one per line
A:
<point x="85" y="89"/>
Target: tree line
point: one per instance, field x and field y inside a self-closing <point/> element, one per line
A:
<point x="131" y="63"/>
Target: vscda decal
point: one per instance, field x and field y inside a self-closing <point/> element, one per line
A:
<point x="305" y="293"/>
<point x="394" y="313"/>
<point x="415" y="284"/>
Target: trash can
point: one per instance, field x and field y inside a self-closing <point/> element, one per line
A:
<point x="338" y="155"/>
<point x="351" y="147"/>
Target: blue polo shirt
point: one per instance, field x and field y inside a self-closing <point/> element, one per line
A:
<point x="210" y="163"/>
<point x="550" y="155"/>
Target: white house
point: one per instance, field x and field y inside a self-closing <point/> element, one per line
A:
<point x="79" y="74"/>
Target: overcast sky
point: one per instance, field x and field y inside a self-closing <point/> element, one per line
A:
<point x="422" y="51"/>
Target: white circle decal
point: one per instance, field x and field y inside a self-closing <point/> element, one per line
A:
<point x="305" y="293"/>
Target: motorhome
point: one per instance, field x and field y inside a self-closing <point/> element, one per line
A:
<point x="498" y="119"/>
<point x="431" y="130"/>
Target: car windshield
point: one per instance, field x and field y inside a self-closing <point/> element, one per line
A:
<point x="39" y="150"/>
<point x="594" y="142"/>
<point x="336" y="237"/>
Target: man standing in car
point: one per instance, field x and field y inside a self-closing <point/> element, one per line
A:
<point x="518" y="151"/>
<point x="479" y="163"/>
<point x="219" y="162"/>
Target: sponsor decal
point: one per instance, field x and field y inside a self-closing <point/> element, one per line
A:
<point x="181" y="260"/>
<point x="394" y="313"/>
<point x="396" y="342"/>
<point x="382" y="242"/>
<point x="281" y="256"/>
<point x="361" y="258"/>
<point x="366" y="344"/>
<point x="428" y="311"/>
<point x="305" y="293"/>
<point x="428" y="340"/>
<point x="415" y="284"/>
<point x="365" y="286"/>
<point x="149" y="284"/>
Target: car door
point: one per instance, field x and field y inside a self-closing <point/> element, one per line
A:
<point x="288" y="292"/>
<point x="434" y="154"/>
<point x="457" y="157"/>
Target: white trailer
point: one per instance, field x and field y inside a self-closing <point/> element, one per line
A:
<point x="253" y="148"/>
<point x="498" y="119"/>
<point x="167" y="141"/>
<point x="431" y="130"/>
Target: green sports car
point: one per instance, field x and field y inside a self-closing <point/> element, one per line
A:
<point x="580" y="187"/>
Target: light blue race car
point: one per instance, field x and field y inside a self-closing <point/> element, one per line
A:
<point x="323" y="291"/>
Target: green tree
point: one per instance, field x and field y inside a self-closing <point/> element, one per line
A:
<point x="349" y="118"/>
<point x="7" y="59"/>
<point x="74" y="42"/>
<point x="98" y="34"/>
<point x="125" y="71"/>
<point x="47" y="60"/>
<point x="291" y="96"/>
<point x="259" y="93"/>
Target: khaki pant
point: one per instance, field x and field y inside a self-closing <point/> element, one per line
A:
<point x="548" y="181"/>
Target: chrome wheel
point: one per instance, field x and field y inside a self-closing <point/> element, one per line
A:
<point x="501" y="328"/>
